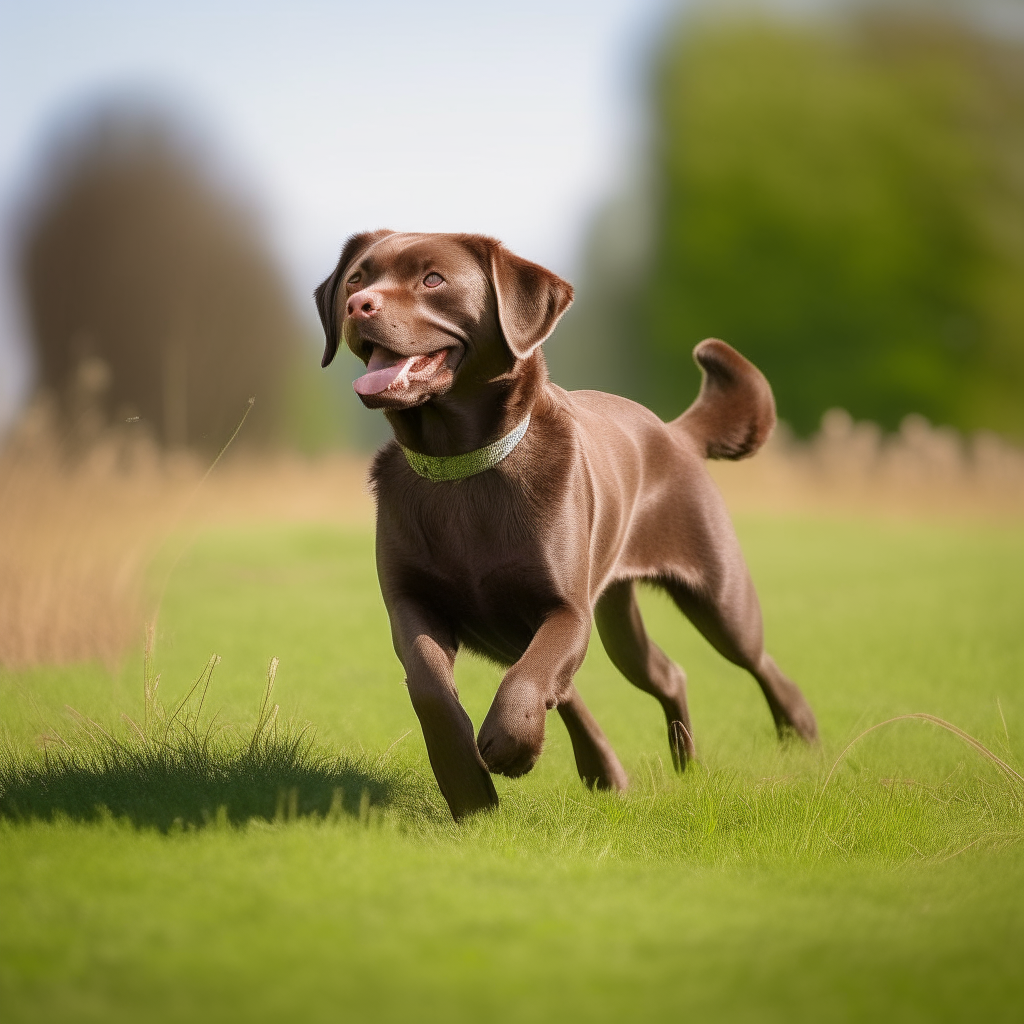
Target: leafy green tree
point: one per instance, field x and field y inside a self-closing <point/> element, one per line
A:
<point x="844" y="203"/>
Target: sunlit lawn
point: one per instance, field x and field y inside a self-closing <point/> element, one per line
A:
<point x="333" y="885"/>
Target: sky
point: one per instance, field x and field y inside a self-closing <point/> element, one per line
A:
<point x="513" y="119"/>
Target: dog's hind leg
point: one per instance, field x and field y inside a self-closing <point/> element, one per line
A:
<point x="596" y="762"/>
<point x="645" y="664"/>
<point x="729" y="616"/>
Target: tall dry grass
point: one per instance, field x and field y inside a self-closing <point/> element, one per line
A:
<point x="82" y="518"/>
<point x="80" y="524"/>
<point x="850" y="468"/>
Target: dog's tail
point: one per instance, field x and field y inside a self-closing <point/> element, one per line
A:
<point x="735" y="411"/>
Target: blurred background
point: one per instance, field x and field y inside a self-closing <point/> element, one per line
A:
<point x="835" y="188"/>
<point x="839" y="192"/>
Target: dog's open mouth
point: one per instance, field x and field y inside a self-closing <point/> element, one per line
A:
<point x="389" y="372"/>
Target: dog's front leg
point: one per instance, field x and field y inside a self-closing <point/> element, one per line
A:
<point x="428" y="656"/>
<point x="512" y="735"/>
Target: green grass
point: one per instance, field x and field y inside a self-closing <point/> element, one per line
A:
<point x="217" y="865"/>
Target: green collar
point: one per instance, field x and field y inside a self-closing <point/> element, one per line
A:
<point x="457" y="467"/>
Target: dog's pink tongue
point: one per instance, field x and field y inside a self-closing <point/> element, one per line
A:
<point x="380" y="374"/>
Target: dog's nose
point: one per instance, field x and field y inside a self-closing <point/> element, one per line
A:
<point x="364" y="304"/>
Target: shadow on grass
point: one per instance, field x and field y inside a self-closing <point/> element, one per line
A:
<point x="170" y="773"/>
<point x="166" y="788"/>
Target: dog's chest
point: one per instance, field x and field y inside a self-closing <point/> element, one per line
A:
<point x="480" y="562"/>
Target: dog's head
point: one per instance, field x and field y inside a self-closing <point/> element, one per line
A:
<point x="426" y="311"/>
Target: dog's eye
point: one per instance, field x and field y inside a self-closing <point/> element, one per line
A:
<point x="354" y="279"/>
<point x="433" y="280"/>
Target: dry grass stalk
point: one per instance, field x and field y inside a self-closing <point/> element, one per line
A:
<point x="1014" y="777"/>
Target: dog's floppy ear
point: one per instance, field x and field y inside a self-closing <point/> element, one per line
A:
<point x="531" y="300"/>
<point x="326" y="294"/>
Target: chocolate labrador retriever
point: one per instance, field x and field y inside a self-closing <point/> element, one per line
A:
<point x="511" y="514"/>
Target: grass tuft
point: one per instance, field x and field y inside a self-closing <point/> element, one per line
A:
<point x="179" y="770"/>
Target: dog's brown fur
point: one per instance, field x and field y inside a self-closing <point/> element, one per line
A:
<point x="515" y="562"/>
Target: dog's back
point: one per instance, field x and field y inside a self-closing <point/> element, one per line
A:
<point x="731" y="417"/>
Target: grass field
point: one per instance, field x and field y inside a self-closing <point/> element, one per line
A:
<point x="326" y="881"/>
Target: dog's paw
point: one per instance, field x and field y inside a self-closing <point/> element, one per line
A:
<point x="504" y="755"/>
<point x="795" y="721"/>
<point x="512" y="736"/>
<point x="801" y="726"/>
<point x="680" y="743"/>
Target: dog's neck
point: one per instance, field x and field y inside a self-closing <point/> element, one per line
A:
<point x="468" y="418"/>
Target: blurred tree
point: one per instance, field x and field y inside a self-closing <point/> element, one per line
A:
<point x="147" y="282"/>
<point x="844" y="203"/>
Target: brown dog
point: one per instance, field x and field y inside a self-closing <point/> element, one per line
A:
<point x="511" y="513"/>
